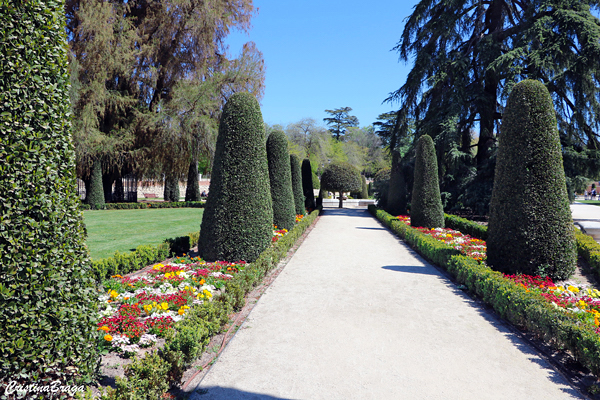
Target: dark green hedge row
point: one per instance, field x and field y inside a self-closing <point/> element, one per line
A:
<point x="510" y="301"/>
<point x="589" y="249"/>
<point x="465" y="226"/>
<point x="132" y="206"/>
<point x="153" y="373"/>
<point x="124" y="263"/>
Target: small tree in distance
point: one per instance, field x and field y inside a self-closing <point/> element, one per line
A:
<point x="342" y="177"/>
<point x="307" y="185"/>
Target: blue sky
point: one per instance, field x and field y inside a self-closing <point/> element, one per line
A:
<point x="327" y="54"/>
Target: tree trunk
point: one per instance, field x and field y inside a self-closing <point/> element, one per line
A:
<point x="341" y="199"/>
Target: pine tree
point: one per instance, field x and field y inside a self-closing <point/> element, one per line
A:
<point x="237" y="223"/>
<point x="426" y="204"/>
<point x="530" y="227"/>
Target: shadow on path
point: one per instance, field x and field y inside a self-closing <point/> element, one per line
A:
<point x="346" y="212"/>
<point x="225" y="393"/>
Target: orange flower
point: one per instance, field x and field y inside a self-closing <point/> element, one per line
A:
<point x="108" y="338"/>
<point x="104" y="328"/>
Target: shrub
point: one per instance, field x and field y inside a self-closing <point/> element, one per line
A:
<point x="342" y="177"/>
<point x="47" y="294"/>
<point x="308" y="185"/>
<point x="146" y="379"/>
<point x="426" y="204"/>
<point x="364" y="193"/>
<point x="530" y="227"/>
<point x="396" y="198"/>
<point x="192" y="189"/>
<point x="171" y="190"/>
<point x="237" y="223"/>
<point x="381" y="184"/>
<point x="95" y="197"/>
<point x="297" y="184"/>
<point x="280" y="178"/>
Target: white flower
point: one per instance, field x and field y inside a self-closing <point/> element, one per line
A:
<point x="147" y="338"/>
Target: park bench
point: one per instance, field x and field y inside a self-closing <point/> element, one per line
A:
<point x="150" y="195"/>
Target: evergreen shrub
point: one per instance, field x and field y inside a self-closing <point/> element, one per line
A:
<point x="297" y="184"/>
<point x="192" y="189"/>
<point x="341" y="177"/>
<point x="426" y="204"/>
<point x="48" y="297"/>
<point x="280" y="178"/>
<point x="95" y="197"/>
<point x="308" y="185"/>
<point x="171" y="189"/>
<point x="237" y="223"/>
<point x="381" y="184"/>
<point x="397" y="199"/>
<point x="530" y="227"/>
<point x="364" y="193"/>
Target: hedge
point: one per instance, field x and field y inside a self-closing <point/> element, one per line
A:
<point x="131" y="206"/>
<point x="509" y="300"/>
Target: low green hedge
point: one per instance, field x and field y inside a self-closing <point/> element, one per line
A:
<point x="191" y="336"/>
<point x="589" y="250"/>
<point x="133" y="206"/>
<point x="124" y="263"/>
<point x="465" y="226"/>
<point x="510" y="301"/>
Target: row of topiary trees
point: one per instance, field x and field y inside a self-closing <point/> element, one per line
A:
<point x="255" y="184"/>
<point x="530" y="225"/>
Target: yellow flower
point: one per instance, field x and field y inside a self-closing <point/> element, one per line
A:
<point x="181" y="311"/>
<point x="573" y="289"/>
<point x="113" y="294"/>
<point x="148" y="308"/>
<point x="104" y="328"/>
<point x="108" y="338"/>
<point x="581" y="304"/>
<point x="596" y="321"/>
<point x="164" y="306"/>
<point x="116" y="276"/>
<point x="207" y="293"/>
<point x="158" y="266"/>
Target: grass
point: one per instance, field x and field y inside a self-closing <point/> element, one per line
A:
<point x="594" y="202"/>
<point x="124" y="230"/>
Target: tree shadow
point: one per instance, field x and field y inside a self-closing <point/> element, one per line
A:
<point x="413" y="269"/>
<point x="346" y="212"/>
<point x="225" y="393"/>
<point x="370" y="228"/>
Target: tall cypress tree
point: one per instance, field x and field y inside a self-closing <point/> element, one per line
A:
<point x="47" y="296"/>
<point x="237" y="223"/>
<point x="397" y="199"/>
<point x="530" y="227"/>
<point x="426" y="203"/>
<point x="280" y="178"/>
<point x="95" y="196"/>
<point x="307" y="185"/>
<point x="192" y="190"/>
<point x="297" y="184"/>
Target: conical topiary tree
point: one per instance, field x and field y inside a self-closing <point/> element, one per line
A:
<point x="192" y="189"/>
<point x="381" y="184"/>
<point x="95" y="196"/>
<point x="49" y="299"/>
<point x="530" y="227"/>
<point x="171" y="189"/>
<point x="396" y="198"/>
<point x="237" y="223"/>
<point x="426" y="203"/>
<point x="364" y="193"/>
<point x="280" y="178"/>
<point x="297" y="184"/>
<point x="341" y="177"/>
<point x="307" y="185"/>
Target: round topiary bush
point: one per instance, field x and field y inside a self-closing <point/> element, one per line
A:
<point x="280" y="177"/>
<point x="397" y="198"/>
<point x="307" y="185"/>
<point x="297" y="184"/>
<point x="530" y="227"/>
<point x="95" y="197"/>
<point x="49" y="298"/>
<point x="342" y="177"/>
<point x="426" y="203"/>
<point x="237" y="223"/>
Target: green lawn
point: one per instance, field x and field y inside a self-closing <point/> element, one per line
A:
<point x="124" y="230"/>
<point x="594" y="202"/>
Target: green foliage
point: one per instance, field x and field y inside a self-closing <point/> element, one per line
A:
<point x="589" y="249"/>
<point x="183" y="346"/>
<point x="397" y="194"/>
<point x="238" y="217"/>
<point x="171" y="190"/>
<point x="530" y="227"/>
<point x="340" y="121"/>
<point x="381" y="184"/>
<point x="426" y="204"/>
<point x="133" y="206"/>
<point x="95" y="198"/>
<point x="280" y="178"/>
<point x="192" y="189"/>
<point x="465" y="226"/>
<point x="342" y="177"/>
<point x="308" y="184"/>
<point x="297" y="184"/>
<point x="508" y="299"/>
<point x="364" y="193"/>
<point x="146" y="379"/>
<point x="47" y="295"/>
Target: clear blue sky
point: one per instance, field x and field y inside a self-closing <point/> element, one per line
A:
<point x="327" y="54"/>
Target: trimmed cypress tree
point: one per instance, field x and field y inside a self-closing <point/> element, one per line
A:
<point x="530" y="227"/>
<point x="95" y="197"/>
<point x="342" y="177"/>
<point x="48" y="297"/>
<point x="192" y="189"/>
<point x="171" y="189"/>
<point x="381" y="185"/>
<point x="237" y="223"/>
<point x="307" y="185"/>
<point x="280" y="178"/>
<point x="364" y="193"/>
<point x="426" y="203"/>
<point x="297" y="184"/>
<point x="397" y="198"/>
